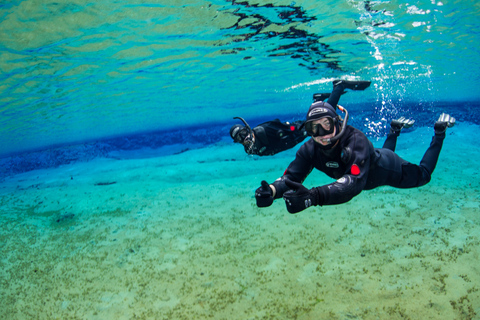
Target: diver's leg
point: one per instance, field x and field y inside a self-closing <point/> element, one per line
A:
<point x="339" y="87"/>
<point x="396" y="127"/>
<point x="338" y="90"/>
<point x="418" y="175"/>
<point x="430" y="158"/>
<point x="391" y="141"/>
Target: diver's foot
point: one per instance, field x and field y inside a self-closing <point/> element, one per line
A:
<point x="398" y="124"/>
<point x="443" y="122"/>
<point x="352" y="85"/>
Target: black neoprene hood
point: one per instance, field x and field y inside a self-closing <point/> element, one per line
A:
<point x="235" y="130"/>
<point x="320" y="110"/>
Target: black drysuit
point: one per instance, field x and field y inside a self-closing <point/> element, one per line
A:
<point x="272" y="137"/>
<point x="357" y="165"/>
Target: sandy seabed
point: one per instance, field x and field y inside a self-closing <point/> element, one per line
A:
<point x="180" y="237"/>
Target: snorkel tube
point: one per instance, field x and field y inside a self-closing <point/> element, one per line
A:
<point x="250" y="131"/>
<point x="344" y="125"/>
<point x="249" y="141"/>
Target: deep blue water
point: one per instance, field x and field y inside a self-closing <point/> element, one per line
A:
<point x="80" y="79"/>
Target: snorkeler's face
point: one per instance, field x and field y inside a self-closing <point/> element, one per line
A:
<point x="321" y="130"/>
<point x="241" y="136"/>
<point x="249" y="140"/>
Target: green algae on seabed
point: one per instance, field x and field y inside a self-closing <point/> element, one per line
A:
<point x="257" y="263"/>
<point x="200" y="248"/>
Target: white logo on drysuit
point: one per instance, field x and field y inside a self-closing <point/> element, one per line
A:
<point x="332" y="164"/>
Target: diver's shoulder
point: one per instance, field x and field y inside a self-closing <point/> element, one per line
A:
<point x="353" y="135"/>
<point x="307" y="147"/>
<point x="354" y="131"/>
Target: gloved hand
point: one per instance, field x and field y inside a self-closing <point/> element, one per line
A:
<point x="299" y="198"/>
<point x="264" y="195"/>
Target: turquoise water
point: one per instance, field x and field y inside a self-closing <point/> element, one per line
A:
<point x="82" y="71"/>
<point x="123" y="197"/>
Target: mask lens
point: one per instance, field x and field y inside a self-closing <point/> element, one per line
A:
<point x="240" y="137"/>
<point x="320" y="127"/>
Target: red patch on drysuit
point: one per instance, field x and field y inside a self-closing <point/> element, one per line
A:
<point x="292" y="128"/>
<point x="355" y="170"/>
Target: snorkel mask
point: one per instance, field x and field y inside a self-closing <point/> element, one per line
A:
<point x="320" y="129"/>
<point x="323" y="110"/>
<point x="243" y="135"/>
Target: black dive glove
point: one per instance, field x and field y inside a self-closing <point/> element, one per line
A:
<point x="264" y="195"/>
<point x="299" y="198"/>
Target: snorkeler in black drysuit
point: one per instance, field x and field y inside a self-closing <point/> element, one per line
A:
<point x="345" y="154"/>
<point x="268" y="138"/>
<point x="272" y="137"/>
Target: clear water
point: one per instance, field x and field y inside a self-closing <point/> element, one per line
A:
<point x="122" y="196"/>
<point x="82" y="71"/>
